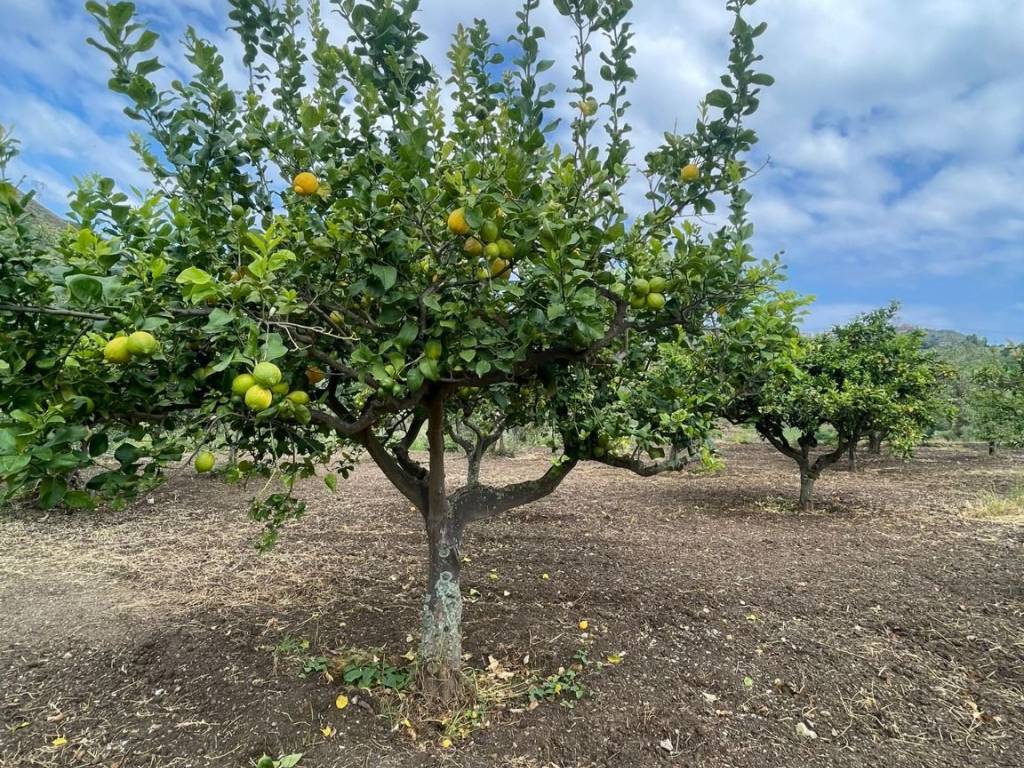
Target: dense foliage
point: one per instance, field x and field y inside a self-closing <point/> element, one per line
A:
<point x="861" y="378"/>
<point x="996" y="399"/>
<point x="331" y="258"/>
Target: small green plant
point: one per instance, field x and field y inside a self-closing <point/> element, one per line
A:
<point x="297" y="649"/>
<point x="290" y="645"/>
<point x="565" y="685"/>
<point x="313" y="665"/>
<point x="285" y="761"/>
<point x="370" y="669"/>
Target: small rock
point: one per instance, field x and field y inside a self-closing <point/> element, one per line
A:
<point x="803" y="730"/>
<point x="666" y="744"/>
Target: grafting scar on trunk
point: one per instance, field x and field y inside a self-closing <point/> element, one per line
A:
<point x="441" y="634"/>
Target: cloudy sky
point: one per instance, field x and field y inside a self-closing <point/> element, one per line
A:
<point x="894" y="133"/>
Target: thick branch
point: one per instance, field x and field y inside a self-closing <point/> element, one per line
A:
<point x="56" y="311"/>
<point x="675" y="461"/>
<point x="779" y="441"/>
<point x="826" y="460"/>
<point x="412" y="488"/>
<point x="401" y="449"/>
<point x="483" y="501"/>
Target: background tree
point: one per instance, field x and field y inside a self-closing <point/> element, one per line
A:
<point x="863" y="377"/>
<point x="330" y="260"/>
<point x="996" y="400"/>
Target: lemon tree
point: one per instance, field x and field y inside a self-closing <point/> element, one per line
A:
<point x="995" y="399"/>
<point x="351" y="250"/>
<point x="864" y="377"/>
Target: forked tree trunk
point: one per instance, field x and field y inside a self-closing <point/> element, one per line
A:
<point x="441" y="632"/>
<point x="807" y="479"/>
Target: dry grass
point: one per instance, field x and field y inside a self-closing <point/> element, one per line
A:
<point x="999" y="508"/>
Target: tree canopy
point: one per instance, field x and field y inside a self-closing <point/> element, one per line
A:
<point x="347" y="249"/>
<point x="864" y="377"/>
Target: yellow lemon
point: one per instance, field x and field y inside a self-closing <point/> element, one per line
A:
<point x="499" y="267"/>
<point x="690" y="173"/>
<point x="241" y="383"/>
<point x="457" y="223"/>
<point x="142" y="343"/>
<point x="204" y="461"/>
<point x="116" y="351"/>
<point x="299" y="397"/>
<point x="258" y="398"/>
<point x="266" y="374"/>
<point x="305" y="184"/>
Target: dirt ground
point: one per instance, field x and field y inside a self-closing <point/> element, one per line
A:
<point x="886" y="622"/>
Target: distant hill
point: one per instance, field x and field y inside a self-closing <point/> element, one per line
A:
<point x="48" y="223"/>
<point x="938" y="339"/>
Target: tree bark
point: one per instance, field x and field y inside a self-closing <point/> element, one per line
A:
<point x="851" y="454"/>
<point x="991" y="447"/>
<point x="441" y="631"/>
<point x="875" y="443"/>
<point x="473" y="460"/>
<point x="807" y="479"/>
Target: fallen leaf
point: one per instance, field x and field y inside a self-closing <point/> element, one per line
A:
<point x="748" y="682"/>
<point x="327" y="731"/>
<point x="615" y="658"/>
<point x="446" y="743"/>
<point x="60" y="741"/>
<point x="342" y="701"/>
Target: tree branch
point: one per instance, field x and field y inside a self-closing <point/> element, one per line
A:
<point x="483" y="501"/>
<point x="56" y="311"/>
<point x="676" y="461"/>
<point x="401" y="450"/>
<point x="414" y="489"/>
<point x="779" y="441"/>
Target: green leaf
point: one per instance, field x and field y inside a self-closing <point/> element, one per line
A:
<point x="127" y="454"/>
<point x="408" y="333"/>
<point x="98" y="444"/>
<point x="331" y="481"/>
<point x="217" y="321"/>
<point x="387" y="275"/>
<point x="288" y="761"/>
<point x="85" y="289"/>
<point x="429" y="369"/>
<point x="51" y="491"/>
<point x="719" y="98"/>
<point x="273" y="347"/>
<point x="78" y="500"/>
<point x="193" y="276"/>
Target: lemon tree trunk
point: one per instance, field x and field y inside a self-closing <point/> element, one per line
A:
<point x="441" y="632"/>
<point x="807" y="478"/>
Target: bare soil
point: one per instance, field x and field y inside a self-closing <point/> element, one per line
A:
<point x="887" y="622"/>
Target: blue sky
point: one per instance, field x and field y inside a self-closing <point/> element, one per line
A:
<point x="895" y="131"/>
